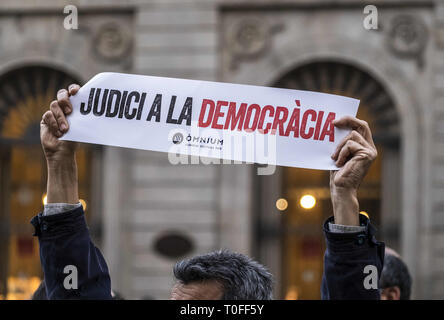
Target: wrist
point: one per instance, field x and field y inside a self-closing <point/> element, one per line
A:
<point x="62" y="181"/>
<point x="341" y="192"/>
<point x="345" y="206"/>
<point x="55" y="160"/>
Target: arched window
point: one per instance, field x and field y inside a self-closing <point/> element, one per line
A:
<point x="307" y="192"/>
<point x="25" y="94"/>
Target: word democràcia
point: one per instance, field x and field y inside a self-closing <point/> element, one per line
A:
<point x="219" y="114"/>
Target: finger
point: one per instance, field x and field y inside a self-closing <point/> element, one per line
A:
<point x="349" y="149"/>
<point x="73" y="89"/>
<point x="349" y="122"/>
<point x="59" y="116"/>
<point x="51" y="122"/>
<point x="353" y="135"/>
<point x="63" y="100"/>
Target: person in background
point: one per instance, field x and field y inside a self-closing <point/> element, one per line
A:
<point x="396" y="281"/>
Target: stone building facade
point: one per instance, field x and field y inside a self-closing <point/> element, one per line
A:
<point x="140" y="204"/>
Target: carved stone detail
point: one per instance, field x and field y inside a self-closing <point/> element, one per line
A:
<point x="112" y="41"/>
<point x="249" y="39"/>
<point x="407" y="37"/>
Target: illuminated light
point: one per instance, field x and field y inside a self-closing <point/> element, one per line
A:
<point x="292" y="293"/>
<point x="281" y="204"/>
<point x="307" y="201"/>
<point x="83" y="202"/>
<point x="365" y="214"/>
<point x="21" y="287"/>
<point x="45" y="199"/>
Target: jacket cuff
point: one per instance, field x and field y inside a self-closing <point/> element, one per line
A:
<point x="346" y="242"/>
<point x="60" y="224"/>
<point x="56" y="208"/>
<point x="339" y="228"/>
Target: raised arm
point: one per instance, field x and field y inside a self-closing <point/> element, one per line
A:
<point x="60" y="155"/>
<point x="73" y="267"/>
<point x="353" y="254"/>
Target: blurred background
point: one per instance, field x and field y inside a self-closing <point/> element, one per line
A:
<point x="145" y="214"/>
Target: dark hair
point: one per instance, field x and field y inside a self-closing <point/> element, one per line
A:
<point x="396" y="274"/>
<point x="241" y="277"/>
<point x="40" y="293"/>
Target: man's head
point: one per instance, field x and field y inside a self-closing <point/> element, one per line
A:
<point x="221" y="275"/>
<point x="395" y="281"/>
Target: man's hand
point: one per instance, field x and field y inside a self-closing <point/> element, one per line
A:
<point x="60" y="155"/>
<point x="354" y="155"/>
<point x="54" y="125"/>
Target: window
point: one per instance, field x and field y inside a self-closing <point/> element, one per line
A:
<point x="25" y="94"/>
<point x="307" y="192"/>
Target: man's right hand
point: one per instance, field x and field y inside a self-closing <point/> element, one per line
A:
<point x="353" y="156"/>
<point x="54" y="125"/>
<point x="62" y="186"/>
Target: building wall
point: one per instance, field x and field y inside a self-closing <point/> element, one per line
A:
<point x="433" y="233"/>
<point x="144" y="196"/>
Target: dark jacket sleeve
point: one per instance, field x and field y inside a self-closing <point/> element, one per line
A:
<point x="65" y="241"/>
<point x="346" y="256"/>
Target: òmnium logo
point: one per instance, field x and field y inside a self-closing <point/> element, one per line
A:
<point x="177" y="138"/>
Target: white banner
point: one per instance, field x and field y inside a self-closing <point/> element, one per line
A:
<point x="210" y="119"/>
